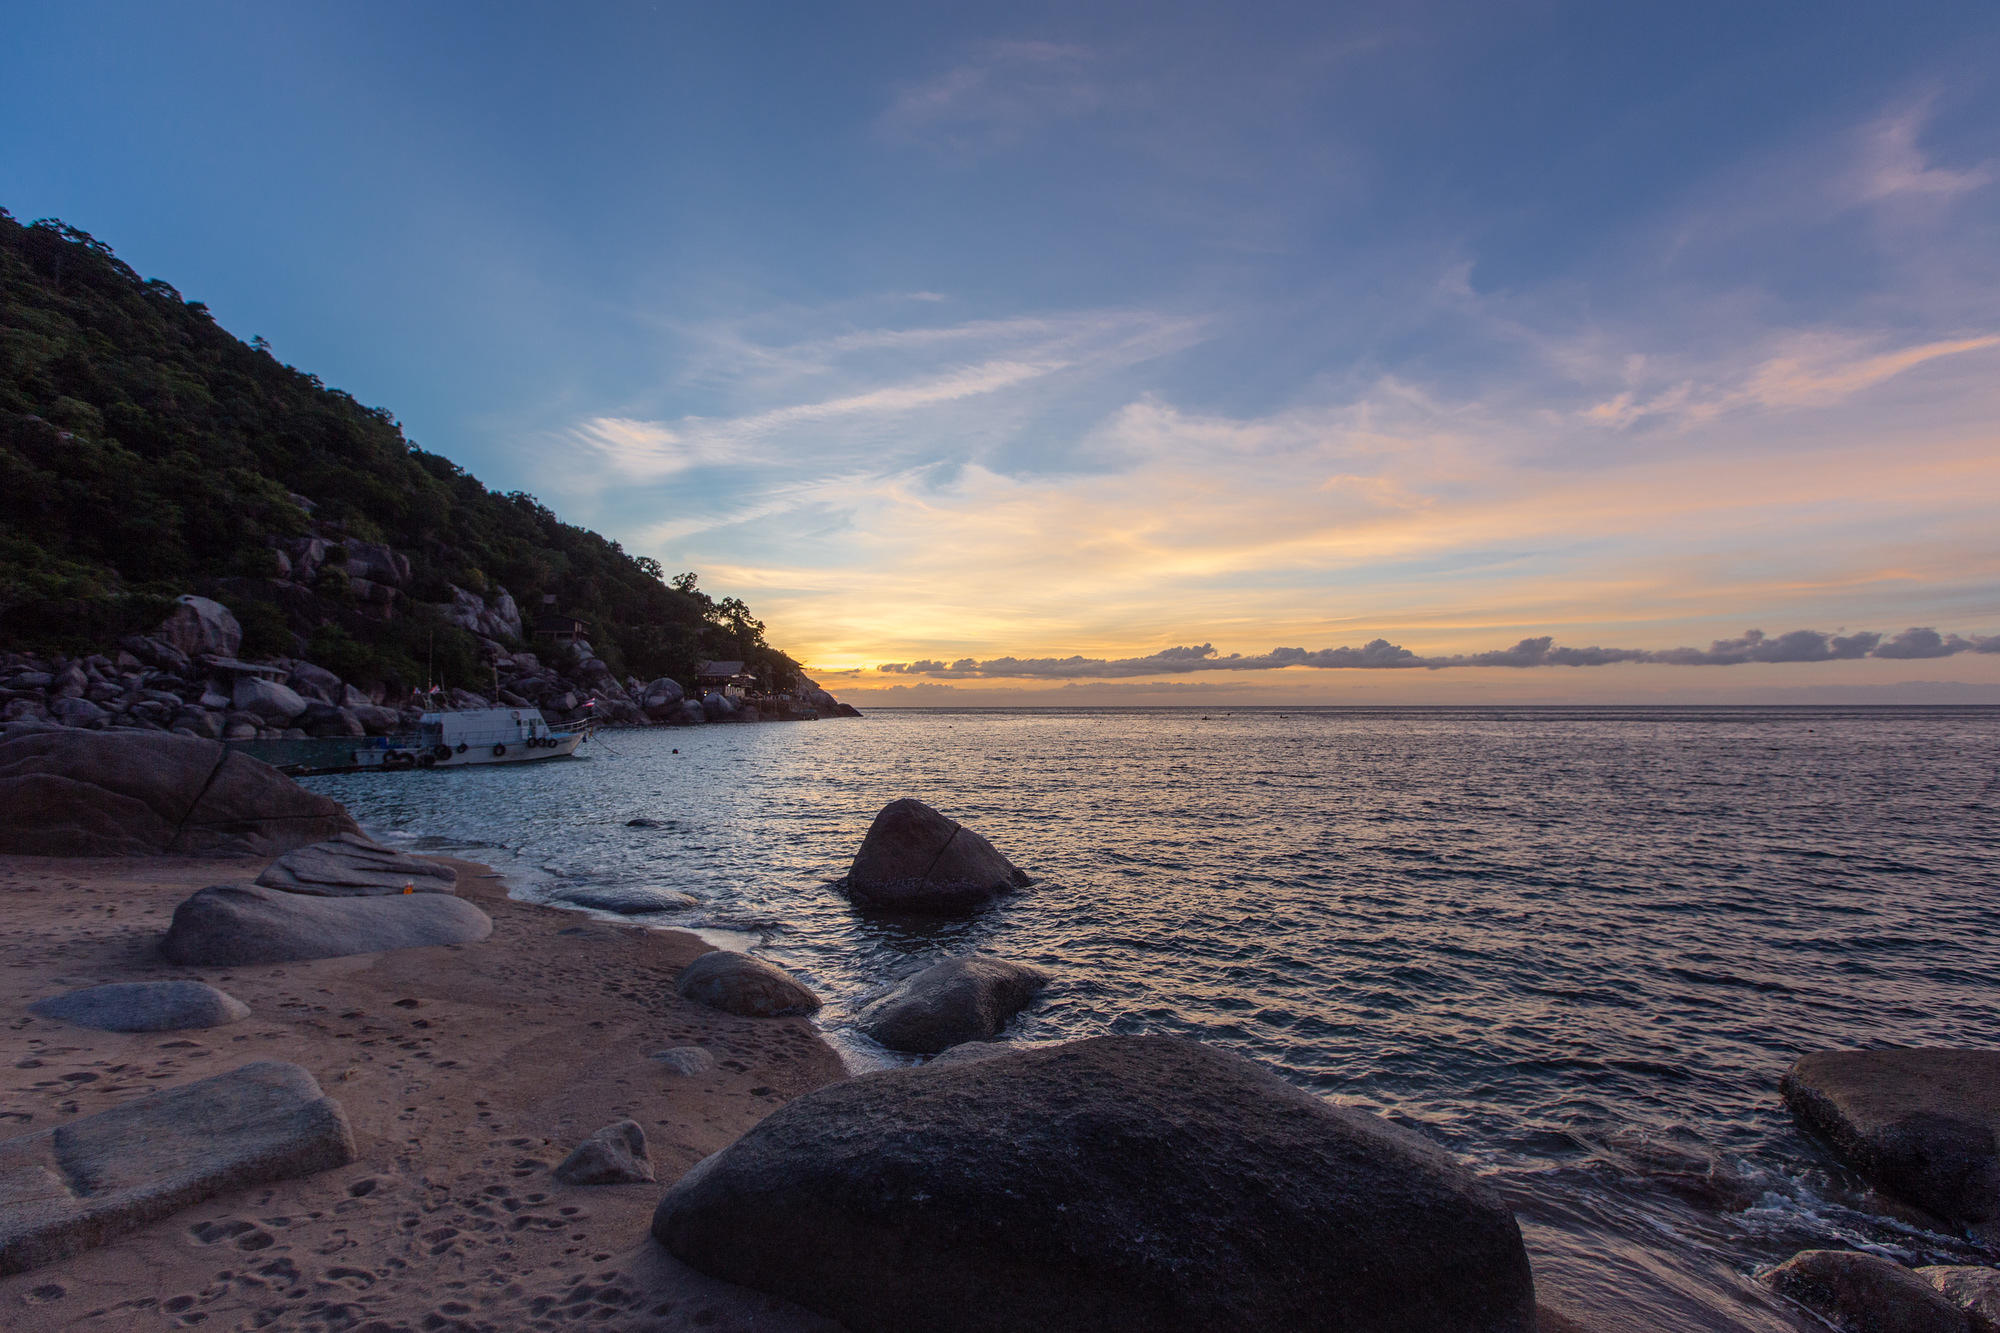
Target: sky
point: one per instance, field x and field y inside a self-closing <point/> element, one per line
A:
<point x="1102" y="353"/>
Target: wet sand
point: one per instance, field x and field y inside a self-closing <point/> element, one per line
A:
<point x="467" y="1073"/>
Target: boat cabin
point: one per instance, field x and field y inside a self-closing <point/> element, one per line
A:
<point x="496" y="730"/>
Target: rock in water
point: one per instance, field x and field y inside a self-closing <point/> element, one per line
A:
<point x="231" y="925"/>
<point x="351" y="866"/>
<point x="627" y="901"/>
<point x="1918" y="1124"/>
<point x="144" y="1006"/>
<point x="739" y="984"/>
<point x="614" y="1155"/>
<point x="1865" y="1293"/>
<point x="1141" y="1183"/>
<point x="958" y="1000"/>
<point x="916" y="860"/>
<point x="125" y="793"/>
<point x="66" y="1189"/>
<point x="1972" y="1289"/>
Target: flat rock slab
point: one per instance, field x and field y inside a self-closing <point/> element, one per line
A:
<point x="739" y="984"/>
<point x="144" y="1006"/>
<point x="232" y="925"/>
<point x="121" y="793"/>
<point x="958" y="1000"/>
<point x="66" y="1189"/>
<point x="1118" y="1183"/>
<point x="351" y="866"/>
<point x="627" y="901"/>
<point x="1922" y="1125"/>
<point x="914" y="859"/>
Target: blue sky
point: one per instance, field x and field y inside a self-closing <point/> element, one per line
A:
<point x="943" y="333"/>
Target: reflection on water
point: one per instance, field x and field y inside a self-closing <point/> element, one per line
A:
<point x="1576" y="946"/>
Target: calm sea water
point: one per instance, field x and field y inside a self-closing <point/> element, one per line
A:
<point x="1576" y="946"/>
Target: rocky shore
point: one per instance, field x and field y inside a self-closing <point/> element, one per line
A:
<point x="290" y="1078"/>
<point x="187" y="676"/>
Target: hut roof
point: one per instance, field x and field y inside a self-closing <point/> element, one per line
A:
<point x="719" y="670"/>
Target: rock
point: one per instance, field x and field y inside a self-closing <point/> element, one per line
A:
<point x="690" y="713"/>
<point x="72" y="712"/>
<point x="155" y="652"/>
<point x="957" y="1000"/>
<point x="231" y="925"/>
<point x="614" y="1155"/>
<point x="80" y="793"/>
<point x="376" y="563"/>
<point x="144" y="1006"/>
<point x="739" y="984"/>
<point x="351" y="866"/>
<point x="315" y="682"/>
<point x="1119" y="1183"/>
<point x="1917" y="1124"/>
<point x="270" y="703"/>
<point x="376" y="720"/>
<point x="662" y="699"/>
<point x="1972" y="1289"/>
<point x="198" y="722"/>
<point x="916" y="860"/>
<point x="1865" y="1293"/>
<point x="69" y="683"/>
<point x="66" y="1189"/>
<point x="628" y="901"/>
<point x="718" y="708"/>
<point x="644" y="823"/>
<point x="197" y="625"/>
<point x="686" y="1060"/>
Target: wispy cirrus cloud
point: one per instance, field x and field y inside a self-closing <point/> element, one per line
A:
<point x="1893" y="163"/>
<point x="1003" y="93"/>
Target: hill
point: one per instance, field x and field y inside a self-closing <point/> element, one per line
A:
<point x="146" y="453"/>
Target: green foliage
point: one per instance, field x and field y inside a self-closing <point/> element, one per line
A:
<point x="145" y="449"/>
<point x="83" y="624"/>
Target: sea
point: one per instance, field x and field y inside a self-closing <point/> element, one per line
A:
<point x="1576" y="946"/>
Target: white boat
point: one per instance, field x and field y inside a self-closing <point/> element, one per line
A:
<point x="462" y="736"/>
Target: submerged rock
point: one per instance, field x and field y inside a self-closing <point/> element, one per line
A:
<point x="628" y="901"/>
<point x="75" y="1186"/>
<point x="957" y="1000"/>
<point x="144" y="1006"/>
<point x="614" y="1155"/>
<point x="127" y="793"/>
<point x="1119" y="1183"/>
<point x="739" y="984"/>
<point x="1918" y="1124"/>
<point x="1865" y="1293"/>
<point x="352" y="866"/>
<point x="916" y="860"/>
<point x="230" y="925"/>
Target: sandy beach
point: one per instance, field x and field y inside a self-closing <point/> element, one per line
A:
<point x="467" y="1072"/>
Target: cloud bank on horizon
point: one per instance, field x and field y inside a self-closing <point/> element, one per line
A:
<point x="1802" y="645"/>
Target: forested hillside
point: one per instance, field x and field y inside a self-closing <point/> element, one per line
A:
<point x="146" y="452"/>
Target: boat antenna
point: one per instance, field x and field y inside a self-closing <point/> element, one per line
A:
<point x="430" y="663"/>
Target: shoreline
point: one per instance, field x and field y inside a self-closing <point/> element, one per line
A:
<point x="467" y="1072"/>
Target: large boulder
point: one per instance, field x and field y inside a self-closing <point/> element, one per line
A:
<point x="233" y="925"/>
<point x="376" y="562"/>
<point x="957" y="1000"/>
<point x="1120" y="1183"/>
<point x="916" y="860"/>
<point x="121" y="793"/>
<point x="351" y="866"/>
<point x="662" y="699"/>
<point x="66" y="1189"/>
<point x="717" y="708"/>
<point x="1917" y="1124"/>
<point x="270" y="703"/>
<point x="739" y="984"/>
<point x="1865" y="1293"/>
<point x="198" y="626"/>
<point x="144" y="1006"/>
